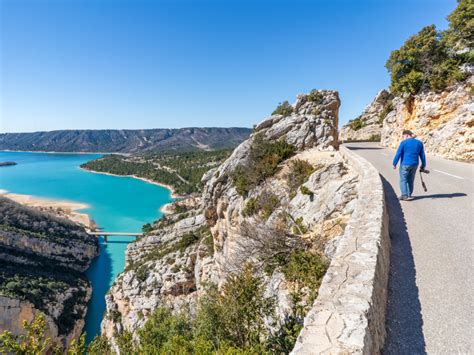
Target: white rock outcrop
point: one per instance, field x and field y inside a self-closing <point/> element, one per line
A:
<point x="169" y="267"/>
<point x="443" y="121"/>
<point x="368" y="125"/>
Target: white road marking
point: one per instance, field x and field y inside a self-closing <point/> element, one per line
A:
<point x="384" y="154"/>
<point x="455" y="176"/>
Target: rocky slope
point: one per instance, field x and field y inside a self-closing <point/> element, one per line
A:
<point x="443" y="121"/>
<point x="42" y="259"/>
<point x="125" y="141"/>
<point x="369" y="124"/>
<point x="285" y="189"/>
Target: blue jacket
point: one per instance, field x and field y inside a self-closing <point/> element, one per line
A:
<point x="408" y="151"/>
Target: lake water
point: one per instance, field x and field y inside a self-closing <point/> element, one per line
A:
<point x="120" y="204"/>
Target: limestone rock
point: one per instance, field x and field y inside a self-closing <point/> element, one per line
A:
<point x="215" y="236"/>
<point x="369" y="124"/>
<point x="443" y="121"/>
<point x="42" y="257"/>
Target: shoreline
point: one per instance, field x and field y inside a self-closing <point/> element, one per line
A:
<point x="54" y="152"/>
<point x="174" y="195"/>
<point x="61" y="208"/>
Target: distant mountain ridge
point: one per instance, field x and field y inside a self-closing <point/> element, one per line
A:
<point x="126" y="141"/>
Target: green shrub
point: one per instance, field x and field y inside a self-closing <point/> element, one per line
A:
<point x="35" y="342"/>
<point x="125" y="342"/>
<point x="298" y="173"/>
<point x="306" y="191"/>
<point x="236" y="314"/>
<point x="356" y="124"/>
<point x="283" y="341"/>
<point x="284" y="109"/>
<point x="251" y="207"/>
<point x="99" y="346"/>
<point x="209" y="243"/>
<point x="142" y="273"/>
<point x="164" y="330"/>
<point x="299" y="228"/>
<point x="229" y="321"/>
<point x="315" y="96"/>
<point x="115" y="316"/>
<point x="242" y="181"/>
<point x="147" y="228"/>
<point x="268" y="203"/>
<point x="374" y="138"/>
<point x="306" y="268"/>
<point x="265" y="204"/>
<point x="262" y="163"/>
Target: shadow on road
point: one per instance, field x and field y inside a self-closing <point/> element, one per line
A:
<point x="456" y="194"/>
<point x="404" y="322"/>
<point x="361" y="148"/>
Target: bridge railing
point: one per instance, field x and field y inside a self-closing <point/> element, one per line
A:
<point x="106" y="235"/>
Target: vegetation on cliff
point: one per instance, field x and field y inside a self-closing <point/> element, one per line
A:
<point x="236" y="269"/>
<point x="231" y="319"/>
<point x="40" y="225"/>
<point x="41" y="262"/>
<point x="182" y="171"/>
<point x="284" y="109"/>
<point x="432" y="60"/>
<point x="264" y="157"/>
<point x="35" y="342"/>
<point x="44" y="288"/>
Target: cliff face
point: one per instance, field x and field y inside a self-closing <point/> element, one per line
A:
<point x="369" y="124"/>
<point x="41" y="262"/>
<point x="244" y="214"/>
<point x="443" y="121"/>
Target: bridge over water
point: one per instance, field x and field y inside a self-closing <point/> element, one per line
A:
<point x="116" y="234"/>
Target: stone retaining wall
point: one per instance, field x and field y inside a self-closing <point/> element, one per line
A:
<point x="348" y="317"/>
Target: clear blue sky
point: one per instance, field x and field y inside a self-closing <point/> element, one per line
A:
<point x="157" y="64"/>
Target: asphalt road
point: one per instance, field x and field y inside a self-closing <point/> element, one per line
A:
<point x="430" y="307"/>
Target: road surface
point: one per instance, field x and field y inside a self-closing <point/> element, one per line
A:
<point x="430" y="306"/>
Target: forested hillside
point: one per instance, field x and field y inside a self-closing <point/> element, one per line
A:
<point x="182" y="171"/>
<point x="125" y="141"/>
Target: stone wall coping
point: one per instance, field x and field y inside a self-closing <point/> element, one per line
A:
<point x="348" y="315"/>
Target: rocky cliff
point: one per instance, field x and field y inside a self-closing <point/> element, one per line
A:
<point x="368" y="125"/>
<point x="283" y="192"/>
<point x="42" y="258"/>
<point x="443" y="121"/>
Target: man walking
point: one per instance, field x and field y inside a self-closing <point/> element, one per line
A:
<point x="409" y="150"/>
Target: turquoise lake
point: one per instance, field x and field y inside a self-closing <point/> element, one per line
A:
<point x="120" y="204"/>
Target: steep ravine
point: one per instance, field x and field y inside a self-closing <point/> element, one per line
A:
<point x="42" y="260"/>
<point x="284" y="191"/>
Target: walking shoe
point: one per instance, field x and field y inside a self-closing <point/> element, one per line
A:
<point x="403" y="198"/>
<point x="410" y="198"/>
